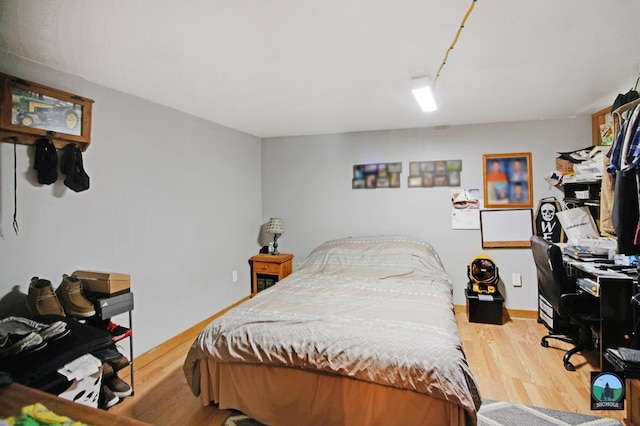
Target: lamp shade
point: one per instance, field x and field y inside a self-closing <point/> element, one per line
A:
<point x="274" y="226"/>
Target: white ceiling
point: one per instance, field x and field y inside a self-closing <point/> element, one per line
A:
<point x="291" y="67"/>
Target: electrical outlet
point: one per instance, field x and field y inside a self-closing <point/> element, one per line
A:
<point x="516" y="280"/>
<point x="234" y="276"/>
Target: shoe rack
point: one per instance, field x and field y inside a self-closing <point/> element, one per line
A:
<point x="108" y="306"/>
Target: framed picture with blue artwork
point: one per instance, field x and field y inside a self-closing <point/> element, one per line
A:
<point x="507" y="180"/>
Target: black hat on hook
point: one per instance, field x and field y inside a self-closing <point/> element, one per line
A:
<point x="46" y="161"/>
<point x="72" y="166"/>
<point x="625" y="98"/>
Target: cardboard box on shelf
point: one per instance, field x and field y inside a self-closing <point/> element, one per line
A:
<point x="103" y="282"/>
<point x="564" y="166"/>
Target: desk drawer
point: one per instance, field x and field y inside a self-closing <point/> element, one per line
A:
<point x="266" y="268"/>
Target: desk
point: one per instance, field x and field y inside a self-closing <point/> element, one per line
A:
<point x="616" y="290"/>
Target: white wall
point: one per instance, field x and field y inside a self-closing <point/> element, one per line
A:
<point x="175" y="201"/>
<point x="307" y="181"/>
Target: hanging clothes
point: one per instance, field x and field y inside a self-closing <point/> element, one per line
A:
<point x="625" y="211"/>
<point x="607" y="195"/>
<point x="625" y="152"/>
<point x="625" y="157"/>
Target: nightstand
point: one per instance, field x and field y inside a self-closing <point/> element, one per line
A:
<point x="277" y="266"/>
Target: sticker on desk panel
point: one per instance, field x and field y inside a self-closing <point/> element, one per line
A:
<point x="607" y="390"/>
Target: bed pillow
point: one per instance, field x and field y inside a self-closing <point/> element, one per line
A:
<point x="378" y="256"/>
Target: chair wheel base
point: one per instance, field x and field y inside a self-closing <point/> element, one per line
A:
<point x="544" y="343"/>
<point x="569" y="367"/>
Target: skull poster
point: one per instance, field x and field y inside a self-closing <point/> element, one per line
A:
<point x="547" y="224"/>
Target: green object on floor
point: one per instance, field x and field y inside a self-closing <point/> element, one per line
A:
<point x="39" y="415"/>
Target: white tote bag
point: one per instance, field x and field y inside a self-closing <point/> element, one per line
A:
<point x="577" y="224"/>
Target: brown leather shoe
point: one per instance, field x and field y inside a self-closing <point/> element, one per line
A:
<point x="107" y="371"/>
<point x="70" y="294"/>
<point x="42" y="300"/>
<point x="118" y="386"/>
<point x="119" y="363"/>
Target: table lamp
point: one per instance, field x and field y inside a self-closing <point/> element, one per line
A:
<point x="274" y="226"/>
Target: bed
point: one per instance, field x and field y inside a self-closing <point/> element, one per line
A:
<point x="362" y="333"/>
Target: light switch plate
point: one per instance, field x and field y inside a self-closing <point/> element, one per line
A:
<point x="516" y="280"/>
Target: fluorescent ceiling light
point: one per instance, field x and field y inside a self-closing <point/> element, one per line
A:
<point x="422" y="91"/>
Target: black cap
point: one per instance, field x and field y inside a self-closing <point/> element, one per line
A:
<point x="46" y="161"/>
<point x="72" y="166"/>
<point x="625" y="98"/>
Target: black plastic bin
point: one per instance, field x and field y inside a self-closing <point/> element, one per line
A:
<point x="481" y="310"/>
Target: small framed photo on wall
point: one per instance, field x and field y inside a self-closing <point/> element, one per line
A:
<point x="507" y="180"/>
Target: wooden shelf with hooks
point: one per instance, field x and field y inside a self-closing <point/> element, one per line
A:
<point x="30" y="111"/>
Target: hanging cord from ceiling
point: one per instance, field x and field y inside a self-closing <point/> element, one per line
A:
<point x="16" y="228"/>
<point x="455" y="40"/>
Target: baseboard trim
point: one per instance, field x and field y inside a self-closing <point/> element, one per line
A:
<point x="518" y="313"/>
<point x="189" y="334"/>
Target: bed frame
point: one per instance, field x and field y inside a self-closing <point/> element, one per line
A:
<point x="290" y="396"/>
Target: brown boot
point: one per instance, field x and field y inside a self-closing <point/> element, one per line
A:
<point x="70" y="294"/>
<point x="118" y="364"/>
<point x="42" y="299"/>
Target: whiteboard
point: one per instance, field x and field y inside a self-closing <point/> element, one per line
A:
<point x="508" y="228"/>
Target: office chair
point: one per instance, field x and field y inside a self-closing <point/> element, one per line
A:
<point x="568" y="314"/>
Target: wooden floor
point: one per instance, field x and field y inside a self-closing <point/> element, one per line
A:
<point x="507" y="360"/>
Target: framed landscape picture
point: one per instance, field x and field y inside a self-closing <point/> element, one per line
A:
<point x="28" y="108"/>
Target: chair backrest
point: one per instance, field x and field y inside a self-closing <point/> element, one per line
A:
<point x="552" y="277"/>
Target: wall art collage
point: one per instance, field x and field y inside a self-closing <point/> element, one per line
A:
<point x="428" y="174"/>
<point x="423" y="174"/>
<point x="378" y="175"/>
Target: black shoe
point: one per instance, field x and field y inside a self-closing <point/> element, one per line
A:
<point x="107" y="398"/>
<point x="117" y="331"/>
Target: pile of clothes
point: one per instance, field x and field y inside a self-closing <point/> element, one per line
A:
<point x="20" y="335"/>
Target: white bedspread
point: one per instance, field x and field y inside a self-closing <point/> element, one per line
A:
<point x="359" y="308"/>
